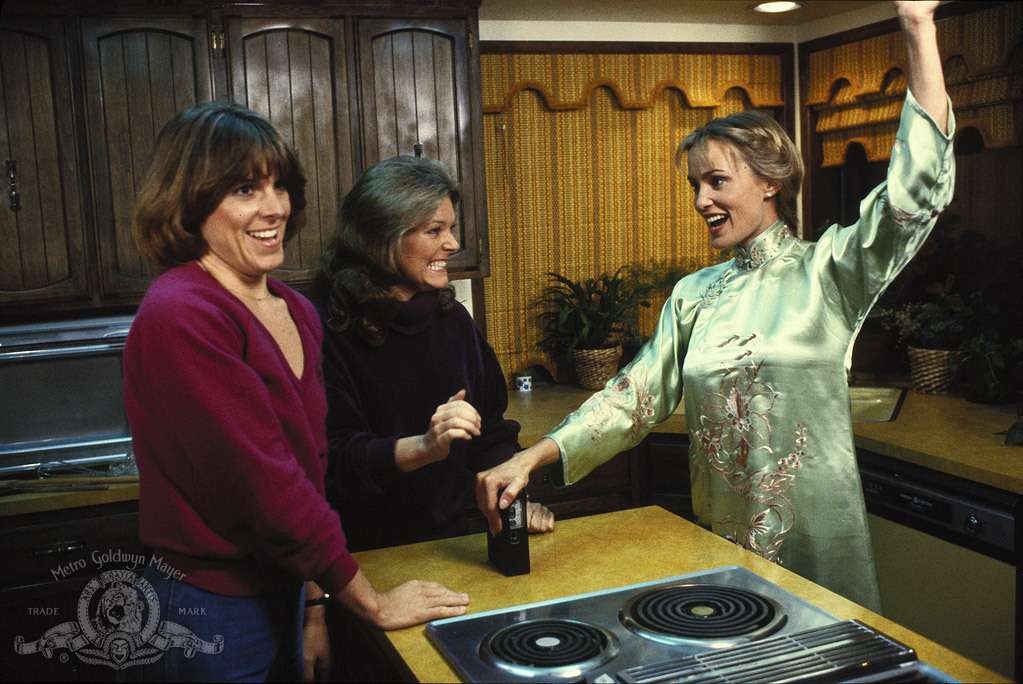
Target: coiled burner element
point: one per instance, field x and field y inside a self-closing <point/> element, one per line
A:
<point x="701" y="612"/>
<point x="551" y="647"/>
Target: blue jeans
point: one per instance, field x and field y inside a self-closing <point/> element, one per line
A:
<point x="262" y="635"/>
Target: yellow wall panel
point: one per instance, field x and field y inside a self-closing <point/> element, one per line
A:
<point x="857" y="99"/>
<point x="581" y="187"/>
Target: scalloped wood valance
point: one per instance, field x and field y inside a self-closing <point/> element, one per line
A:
<point x="636" y="81"/>
<point x="857" y="89"/>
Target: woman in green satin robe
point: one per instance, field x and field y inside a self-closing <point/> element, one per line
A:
<point x="761" y="343"/>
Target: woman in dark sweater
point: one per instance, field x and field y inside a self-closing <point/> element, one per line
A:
<point x="415" y="395"/>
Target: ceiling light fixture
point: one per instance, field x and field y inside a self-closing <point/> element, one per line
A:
<point x="776" y="7"/>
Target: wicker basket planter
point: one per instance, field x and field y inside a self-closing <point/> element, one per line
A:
<point x="594" y="367"/>
<point x="933" y="371"/>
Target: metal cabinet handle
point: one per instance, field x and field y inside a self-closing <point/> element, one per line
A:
<point x="12" y="184"/>
<point x="57" y="547"/>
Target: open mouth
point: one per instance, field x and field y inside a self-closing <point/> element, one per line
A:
<point x="715" y="221"/>
<point x="268" y="235"/>
<point x="438" y="266"/>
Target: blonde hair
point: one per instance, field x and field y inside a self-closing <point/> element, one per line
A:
<point x="201" y="154"/>
<point x="764" y="146"/>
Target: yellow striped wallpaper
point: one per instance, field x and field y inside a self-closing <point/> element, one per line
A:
<point x="857" y="88"/>
<point x="580" y="177"/>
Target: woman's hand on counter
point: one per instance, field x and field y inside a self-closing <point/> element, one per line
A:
<point x="497" y="488"/>
<point x="540" y="519"/>
<point x="408" y="604"/>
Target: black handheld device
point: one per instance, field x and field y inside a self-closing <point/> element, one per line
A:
<point x="509" y="550"/>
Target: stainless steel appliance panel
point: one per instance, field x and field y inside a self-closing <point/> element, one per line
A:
<point x="623" y="652"/>
<point x="63" y="396"/>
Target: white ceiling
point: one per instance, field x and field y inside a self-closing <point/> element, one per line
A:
<point x="674" y="11"/>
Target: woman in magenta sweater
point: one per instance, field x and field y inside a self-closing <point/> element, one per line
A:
<point x="225" y="397"/>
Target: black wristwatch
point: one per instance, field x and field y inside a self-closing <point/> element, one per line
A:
<point x="322" y="601"/>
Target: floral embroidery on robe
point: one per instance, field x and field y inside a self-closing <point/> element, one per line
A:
<point x="734" y="423"/>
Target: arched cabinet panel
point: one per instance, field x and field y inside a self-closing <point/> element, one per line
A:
<point x="42" y="256"/>
<point x="88" y="85"/>
<point x="294" y="72"/>
<point x="138" y="73"/>
<point x="416" y="96"/>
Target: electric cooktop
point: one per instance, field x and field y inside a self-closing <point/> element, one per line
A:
<point x="721" y="625"/>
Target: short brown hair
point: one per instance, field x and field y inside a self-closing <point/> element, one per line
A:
<point x="763" y="145"/>
<point x="201" y="154"/>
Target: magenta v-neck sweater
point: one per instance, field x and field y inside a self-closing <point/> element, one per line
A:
<point x="230" y="444"/>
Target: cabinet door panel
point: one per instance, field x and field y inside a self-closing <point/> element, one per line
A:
<point x="41" y="228"/>
<point x="415" y="88"/>
<point x="294" y="72"/>
<point x="138" y="73"/>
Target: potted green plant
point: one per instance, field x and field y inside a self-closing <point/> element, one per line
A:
<point x="583" y="322"/>
<point x="934" y="334"/>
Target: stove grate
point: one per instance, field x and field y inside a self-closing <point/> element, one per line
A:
<point x="838" y="652"/>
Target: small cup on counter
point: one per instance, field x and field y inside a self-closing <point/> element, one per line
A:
<point x="524" y="381"/>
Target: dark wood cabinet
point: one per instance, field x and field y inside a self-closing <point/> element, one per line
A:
<point x="416" y="96"/>
<point x="655" y="472"/>
<point x="42" y="226"/>
<point x="611" y="486"/>
<point x="138" y="72"/>
<point x="665" y="468"/>
<point x="347" y="83"/>
<point x="295" y="72"/>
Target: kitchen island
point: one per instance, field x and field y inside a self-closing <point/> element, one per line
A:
<point x="596" y="553"/>
<point x="936" y="441"/>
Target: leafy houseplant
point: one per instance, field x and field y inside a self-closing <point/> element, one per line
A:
<point x="655" y="279"/>
<point x="973" y="332"/>
<point x="934" y="333"/>
<point x="578" y="316"/>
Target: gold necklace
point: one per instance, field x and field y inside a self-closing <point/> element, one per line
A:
<point x="246" y="295"/>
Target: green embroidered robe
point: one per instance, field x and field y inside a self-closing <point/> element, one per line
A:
<point x="762" y="345"/>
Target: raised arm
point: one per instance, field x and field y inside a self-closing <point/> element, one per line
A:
<point x="926" y="80"/>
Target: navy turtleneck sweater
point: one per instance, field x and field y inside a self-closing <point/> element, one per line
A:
<point x="377" y="394"/>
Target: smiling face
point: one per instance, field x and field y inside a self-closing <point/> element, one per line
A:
<point x="424" y="252"/>
<point x="736" y="204"/>
<point x="245" y="233"/>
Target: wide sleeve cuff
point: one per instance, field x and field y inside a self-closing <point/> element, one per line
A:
<point x="921" y="174"/>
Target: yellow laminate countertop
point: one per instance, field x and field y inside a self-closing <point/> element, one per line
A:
<point x="944" y="433"/>
<point x="30" y="502"/>
<point x="596" y="553"/>
<point x="951" y="435"/>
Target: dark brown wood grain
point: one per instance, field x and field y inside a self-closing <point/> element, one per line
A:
<point x="42" y="256"/>
<point x="130" y="93"/>
<point x="346" y="82"/>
